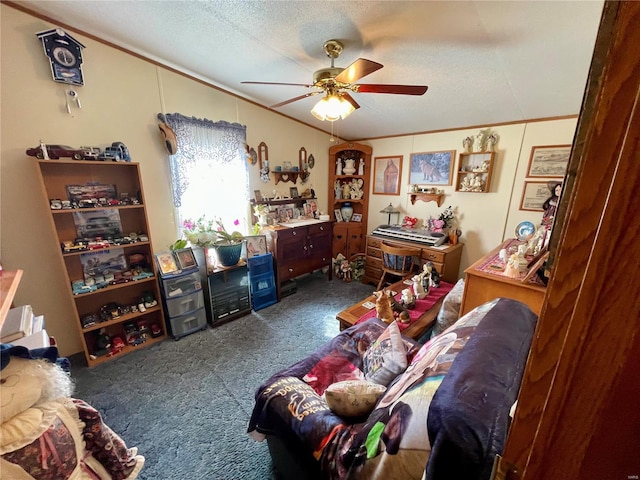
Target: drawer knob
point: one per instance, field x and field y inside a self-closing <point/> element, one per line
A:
<point x="321" y="227"/>
<point x="291" y="270"/>
<point x="431" y="255"/>
<point x="294" y="232"/>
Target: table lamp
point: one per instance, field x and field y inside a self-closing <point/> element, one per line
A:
<point x="389" y="210"/>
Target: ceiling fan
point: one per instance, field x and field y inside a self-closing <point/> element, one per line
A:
<point x="336" y="83"/>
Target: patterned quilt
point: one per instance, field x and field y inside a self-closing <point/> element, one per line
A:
<point x="394" y="441"/>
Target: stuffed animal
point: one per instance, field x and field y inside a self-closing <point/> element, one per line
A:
<point x="345" y="270"/>
<point x="48" y="434"/>
<point x="387" y="309"/>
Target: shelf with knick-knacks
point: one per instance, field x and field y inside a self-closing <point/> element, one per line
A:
<point x="474" y="172"/>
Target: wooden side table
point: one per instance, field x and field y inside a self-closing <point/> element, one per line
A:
<point x="482" y="284"/>
<point x="351" y="315"/>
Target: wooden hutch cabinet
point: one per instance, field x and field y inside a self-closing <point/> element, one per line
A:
<point x="349" y="237"/>
<point x="105" y="251"/>
<point x="299" y="250"/>
<point x="446" y="259"/>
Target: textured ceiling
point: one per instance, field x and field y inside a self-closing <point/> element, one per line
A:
<point x="484" y="62"/>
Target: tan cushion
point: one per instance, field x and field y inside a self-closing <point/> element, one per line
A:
<point x="353" y="398"/>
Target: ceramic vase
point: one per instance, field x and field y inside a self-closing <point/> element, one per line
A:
<point x="349" y="167"/>
<point x="347" y="211"/>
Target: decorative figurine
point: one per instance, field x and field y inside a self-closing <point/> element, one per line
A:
<point x="418" y="289"/>
<point x="361" y="167"/>
<point x="478" y="142"/>
<point x="467" y="142"/>
<point x="338" y="166"/>
<point x="491" y="141"/>
<point x="408" y="299"/>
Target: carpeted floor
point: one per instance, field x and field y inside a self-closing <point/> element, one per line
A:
<point x="185" y="404"/>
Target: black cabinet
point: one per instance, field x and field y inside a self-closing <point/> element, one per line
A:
<point x="229" y="292"/>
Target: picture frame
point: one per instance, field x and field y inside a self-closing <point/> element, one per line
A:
<point x="534" y="195"/>
<point x="338" y="215"/>
<point x="257" y="195"/>
<point x="186" y="258"/>
<point x="357" y="217"/>
<point x="76" y="193"/>
<point x="167" y="263"/>
<point x="387" y="173"/>
<point x="293" y="192"/>
<point x="548" y="161"/>
<point x="97" y="223"/>
<point x="432" y="168"/>
<point x="256" y="245"/>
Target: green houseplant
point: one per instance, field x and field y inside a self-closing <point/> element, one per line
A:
<point x="208" y="233"/>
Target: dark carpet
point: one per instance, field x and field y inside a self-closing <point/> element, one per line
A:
<point x="186" y="404"/>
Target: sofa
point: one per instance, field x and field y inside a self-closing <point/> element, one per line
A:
<point x="444" y="414"/>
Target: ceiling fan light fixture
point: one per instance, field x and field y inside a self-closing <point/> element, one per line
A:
<point x="332" y="107"/>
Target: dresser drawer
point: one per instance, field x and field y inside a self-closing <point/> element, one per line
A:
<point x="373" y="242"/>
<point x="320" y="228"/>
<point x="374" y="252"/>
<point x="433" y="255"/>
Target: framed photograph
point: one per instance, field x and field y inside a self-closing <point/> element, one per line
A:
<point x="186" y="259"/>
<point x="256" y="245"/>
<point x="432" y="168"/>
<point x="387" y="172"/>
<point x="293" y="192"/>
<point x="357" y="217"/>
<point x="338" y="215"/>
<point x="533" y="196"/>
<point x="314" y="206"/>
<point x="258" y="195"/>
<point x="167" y="263"/>
<point x="549" y="161"/>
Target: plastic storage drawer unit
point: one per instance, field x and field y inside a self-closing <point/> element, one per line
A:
<point x="181" y="284"/>
<point x="189" y="323"/>
<point x="260" y="264"/>
<point x="185" y="303"/>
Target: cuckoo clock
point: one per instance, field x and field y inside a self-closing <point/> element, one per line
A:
<point x="65" y="55"/>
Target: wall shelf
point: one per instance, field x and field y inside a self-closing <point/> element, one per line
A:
<point x="289" y="176"/>
<point x="427" y="197"/>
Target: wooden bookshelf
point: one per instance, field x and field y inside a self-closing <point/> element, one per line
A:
<point x="9" y="281"/>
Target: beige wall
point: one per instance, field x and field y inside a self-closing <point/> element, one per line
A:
<point x="485" y="219"/>
<point x="120" y="101"/>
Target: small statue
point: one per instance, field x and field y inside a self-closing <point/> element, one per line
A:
<point x="418" y="289"/>
<point x="491" y="141"/>
<point x="361" y="167"/>
<point x="408" y="299"/>
<point x="478" y="142"/>
<point x="512" y="269"/>
<point x="339" y="166"/>
<point x="466" y="143"/>
<point x="345" y="271"/>
<point x="432" y="275"/>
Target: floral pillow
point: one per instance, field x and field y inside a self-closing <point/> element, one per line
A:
<point x="386" y="358"/>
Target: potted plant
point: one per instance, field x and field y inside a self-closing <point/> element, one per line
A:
<point x="207" y="234"/>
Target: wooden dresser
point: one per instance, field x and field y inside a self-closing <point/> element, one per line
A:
<point x="484" y="281"/>
<point x="299" y="250"/>
<point x="445" y="258"/>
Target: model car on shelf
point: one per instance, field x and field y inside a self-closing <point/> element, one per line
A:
<point x="110" y="153"/>
<point x="56" y="151"/>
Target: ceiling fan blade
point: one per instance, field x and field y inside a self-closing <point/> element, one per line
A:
<point x="278" y="83"/>
<point x="383" y="88"/>
<point x="291" y="100"/>
<point x="350" y="99"/>
<point x="358" y="69"/>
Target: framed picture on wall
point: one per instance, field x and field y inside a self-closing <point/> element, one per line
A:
<point x="258" y="195"/>
<point x="293" y="192"/>
<point x="549" y="161"/>
<point x="387" y="172"/>
<point x="432" y="168"/>
<point x="533" y="196"/>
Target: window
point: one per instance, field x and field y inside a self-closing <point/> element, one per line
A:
<point x="209" y="173"/>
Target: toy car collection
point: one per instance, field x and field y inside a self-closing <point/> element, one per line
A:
<point x="54" y="152"/>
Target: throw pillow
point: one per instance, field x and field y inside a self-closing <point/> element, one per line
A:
<point x="386" y="358"/>
<point x="353" y="398"/>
